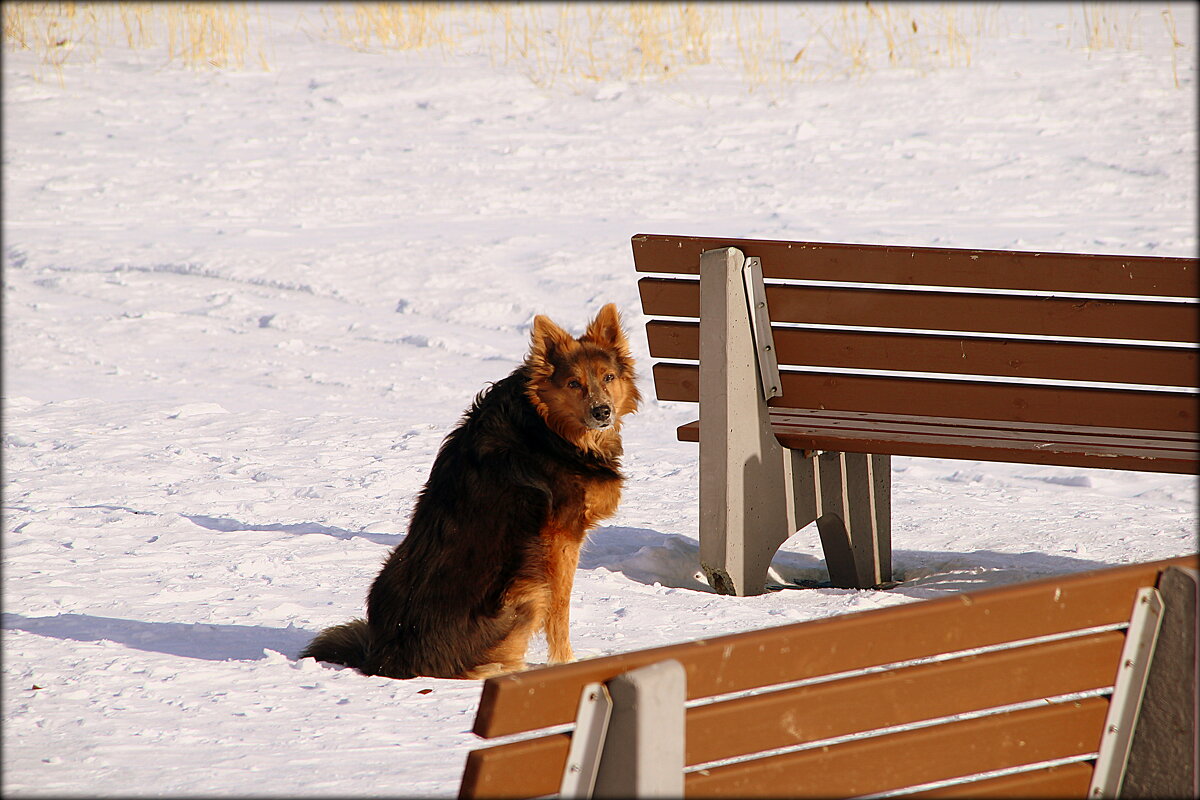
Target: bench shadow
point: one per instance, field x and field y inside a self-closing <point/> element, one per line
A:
<point x="924" y="574"/>
<point x="189" y="640"/>
<point x="645" y="556"/>
<point x="672" y="560"/>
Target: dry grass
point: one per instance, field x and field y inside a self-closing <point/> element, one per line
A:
<point x="196" y="35"/>
<point x="1169" y="20"/>
<point x="594" y="42"/>
<point x="208" y="34"/>
<point x="866" y="38"/>
<point x="389" y="26"/>
<point x="1108" y="26"/>
<point x="577" y="44"/>
<point x="656" y="41"/>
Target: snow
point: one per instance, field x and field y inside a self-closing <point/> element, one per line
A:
<point x="241" y="310"/>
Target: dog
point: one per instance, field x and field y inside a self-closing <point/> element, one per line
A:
<point x="494" y="538"/>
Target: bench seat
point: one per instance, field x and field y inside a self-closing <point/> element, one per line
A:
<point x="944" y="437"/>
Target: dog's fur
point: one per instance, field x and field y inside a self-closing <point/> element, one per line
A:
<point x="494" y="540"/>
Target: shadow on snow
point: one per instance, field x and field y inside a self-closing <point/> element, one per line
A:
<point x="227" y="525"/>
<point x="642" y="555"/>
<point x="672" y="560"/>
<point x="190" y="640"/>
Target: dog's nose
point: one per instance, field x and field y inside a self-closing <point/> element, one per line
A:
<point x="601" y="413"/>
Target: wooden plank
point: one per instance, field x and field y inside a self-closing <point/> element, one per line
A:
<point x="897" y="697"/>
<point x="1166" y="321"/>
<point x="932" y="266"/>
<point x="967" y="355"/>
<point x="1139" y="462"/>
<point x="973" y="438"/>
<point x="902" y="422"/>
<point x="935" y="397"/>
<point x="669" y="297"/>
<point x="529" y="768"/>
<point x="909" y="758"/>
<point x="1180" y="455"/>
<point x="1067" y="780"/>
<point x="547" y="696"/>
<point x="805" y="714"/>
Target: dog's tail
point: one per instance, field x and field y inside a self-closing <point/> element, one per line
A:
<point x="347" y="644"/>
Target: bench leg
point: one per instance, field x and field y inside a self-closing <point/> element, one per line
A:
<point x="643" y="752"/>
<point x="755" y="493"/>
<point x="854" y="517"/>
<point x="1163" y="758"/>
<point x="744" y="472"/>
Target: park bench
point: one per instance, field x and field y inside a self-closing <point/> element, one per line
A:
<point x="1073" y="686"/>
<point x="814" y="363"/>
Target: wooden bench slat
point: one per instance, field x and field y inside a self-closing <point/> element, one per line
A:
<point x="914" y="352"/>
<point x="1180" y="455"/>
<point x="1065" y="780"/>
<point x="796" y="421"/>
<point x="772" y="720"/>
<point x="1169" y="439"/>
<point x="538" y="698"/>
<point x="950" y="397"/>
<point x="530" y="768"/>
<point x="1139" y="454"/>
<point x="898" y="697"/>
<point x="932" y="266"/>
<point x="899" y="760"/>
<point x="947" y="311"/>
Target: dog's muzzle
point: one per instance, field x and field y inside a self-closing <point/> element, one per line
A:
<point x="601" y="416"/>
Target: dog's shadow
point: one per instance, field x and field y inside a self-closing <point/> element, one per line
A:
<point x="228" y="525"/>
<point x="198" y="640"/>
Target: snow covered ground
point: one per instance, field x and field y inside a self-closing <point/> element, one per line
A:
<point x="241" y="310"/>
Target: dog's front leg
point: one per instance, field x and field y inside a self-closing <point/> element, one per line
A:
<point x="564" y="558"/>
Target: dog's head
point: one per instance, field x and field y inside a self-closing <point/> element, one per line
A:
<point x="582" y="387"/>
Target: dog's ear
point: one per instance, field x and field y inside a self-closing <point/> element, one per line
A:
<point x="605" y="331"/>
<point x="546" y="339"/>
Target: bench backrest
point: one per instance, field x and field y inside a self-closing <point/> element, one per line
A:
<point x="1008" y="648"/>
<point x="1025" y="335"/>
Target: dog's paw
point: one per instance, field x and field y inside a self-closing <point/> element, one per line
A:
<point x="493" y="668"/>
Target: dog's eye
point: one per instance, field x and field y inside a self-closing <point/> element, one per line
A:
<point x="609" y="378"/>
<point x="574" y="384"/>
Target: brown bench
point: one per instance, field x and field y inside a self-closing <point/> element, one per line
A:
<point x="1070" y="686"/>
<point x="1043" y="358"/>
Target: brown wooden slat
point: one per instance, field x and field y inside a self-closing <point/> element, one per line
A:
<point x="872" y="420"/>
<point x="853" y="705"/>
<point x="1145" y="455"/>
<point x="1003" y="402"/>
<point x="1067" y="780"/>
<point x="932" y="266"/>
<point x="541" y="697"/>
<point x="809" y="713"/>
<point x="668" y="297"/>
<point x="901" y="352"/>
<point x="948" y="311"/>
<point x="1147" y="461"/>
<point x="1108" y="447"/>
<point x="529" y="768"/>
<point x="899" y="760"/>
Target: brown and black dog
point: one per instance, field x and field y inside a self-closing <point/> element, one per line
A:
<point x="494" y="540"/>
